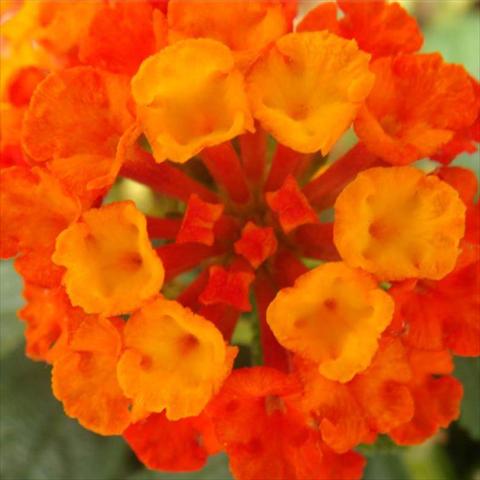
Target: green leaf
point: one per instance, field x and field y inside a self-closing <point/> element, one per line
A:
<point x="386" y="466"/>
<point x="451" y="35"/>
<point x="216" y="469"/>
<point x="467" y="370"/>
<point x="428" y="461"/>
<point x="38" y="441"/>
<point x="11" y="330"/>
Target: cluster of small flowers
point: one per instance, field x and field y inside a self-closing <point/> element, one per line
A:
<point x="231" y="110"/>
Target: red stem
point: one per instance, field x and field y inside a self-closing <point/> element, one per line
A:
<point x="225" y="167"/>
<point x="224" y="317"/>
<point x="254" y="150"/>
<point x="164" y="178"/>
<point x="285" y="161"/>
<point x="163" y="227"/>
<point x="189" y="297"/>
<point x="287" y="267"/>
<point x="179" y="258"/>
<point x="316" y="241"/>
<point x="274" y="355"/>
<point x="323" y="190"/>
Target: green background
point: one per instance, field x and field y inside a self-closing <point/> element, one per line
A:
<point x="38" y="442"/>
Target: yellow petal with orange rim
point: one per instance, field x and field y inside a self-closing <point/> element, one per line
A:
<point x="333" y="315"/>
<point x="111" y="267"/>
<point x="399" y="223"/>
<point x="245" y="27"/>
<point x="84" y="377"/>
<point x="174" y="360"/>
<point x="307" y="88"/>
<point x="190" y="96"/>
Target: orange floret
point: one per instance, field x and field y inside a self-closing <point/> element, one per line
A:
<point x="174" y="360"/>
<point x="307" y="88"/>
<point x="80" y="110"/>
<point x="111" y="267"/>
<point x="200" y="101"/>
<point x="36" y="267"/>
<point x="230" y="287"/>
<point x="84" y="377"/>
<point x="398" y="223"/>
<point x="245" y="27"/>
<point x="414" y="107"/>
<point x="375" y="401"/>
<point x="291" y="206"/>
<point x="443" y="314"/>
<point x="465" y="139"/>
<point x="61" y="25"/>
<point x="267" y="437"/>
<point x="87" y="176"/>
<point x="48" y="316"/>
<point x="333" y="315"/>
<point x="199" y="221"/>
<point x="382" y="389"/>
<point x="161" y="444"/>
<point x="36" y="207"/>
<point x="437" y="397"/>
<point x="339" y="416"/>
<point x="256" y="244"/>
<point x="378" y="27"/>
<point x="56" y="25"/>
<point x="120" y="37"/>
<point x="23" y="83"/>
<point x="18" y="49"/>
<point x="262" y="436"/>
<point x="322" y="17"/>
<point x="10" y="148"/>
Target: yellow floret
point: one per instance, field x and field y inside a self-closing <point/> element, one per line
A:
<point x="111" y="267"/>
<point x="399" y="223"/>
<point x="333" y="315"/>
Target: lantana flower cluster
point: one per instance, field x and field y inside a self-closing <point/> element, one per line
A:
<point x="232" y="109"/>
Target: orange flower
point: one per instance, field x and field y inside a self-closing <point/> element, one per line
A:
<point x="333" y="315"/>
<point x="36" y="267"/>
<point x="339" y="416"/>
<point x="376" y="400"/>
<point x="61" y="25"/>
<point x="257" y="24"/>
<point x="199" y="221"/>
<point x="23" y="83"/>
<point x="36" y="207"/>
<point x="76" y="111"/>
<point x="162" y="444"/>
<point x="10" y="149"/>
<point x="291" y="206"/>
<point x="227" y="117"/>
<point x="192" y="108"/>
<point x="436" y="394"/>
<point x="444" y="314"/>
<point x="256" y="244"/>
<point x="87" y="176"/>
<point x="398" y="223"/>
<point x="84" y="377"/>
<point x="413" y="109"/>
<point x="174" y="360"/>
<point x="121" y="36"/>
<point x="108" y="249"/>
<point x="230" y="287"/>
<point x="50" y="319"/>
<point x="379" y="28"/>
<point x="307" y="88"/>
<point x="265" y="436"/>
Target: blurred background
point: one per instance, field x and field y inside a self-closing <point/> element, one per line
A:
<point x="38" y="442"/>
